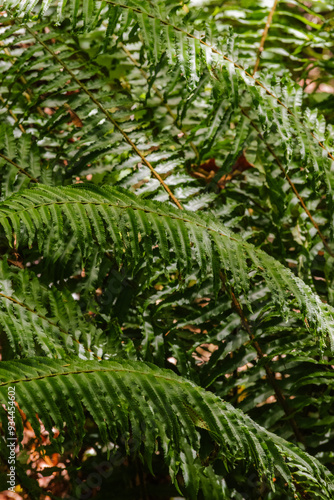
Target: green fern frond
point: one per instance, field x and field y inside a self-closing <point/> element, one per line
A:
<point x="14" y="156"/>
<point x="276" y="106"/>
<point x="131" y="225"/>
<point x="117" y="394"/>
<point x="38" y="319"/>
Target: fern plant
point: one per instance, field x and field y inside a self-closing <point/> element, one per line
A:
<point x="166" y="272"/>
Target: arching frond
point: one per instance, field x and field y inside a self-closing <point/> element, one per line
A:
<point x="131" y="225"/>
<point x="276" y="104"/>
<point x="170" y="408"/>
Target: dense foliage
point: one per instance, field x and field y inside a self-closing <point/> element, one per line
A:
<point x="166" y="272"/>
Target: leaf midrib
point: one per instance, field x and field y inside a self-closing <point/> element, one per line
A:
<point x="103" y="370"/>
<point x="120" y="207"/>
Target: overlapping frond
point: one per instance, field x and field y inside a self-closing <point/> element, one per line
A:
<point x="13" y="154"/>
<point x="86" y="123"/>
<point x="170" y="408"/>
<point x="131" y="225"/>
<point x="276" y="104"/>
<point x="39" y="319"/>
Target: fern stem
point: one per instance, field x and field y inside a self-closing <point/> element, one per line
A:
<point x="160" y="95"/>
<point x="108" y="115"/>
<point x="12" y="114"/>
<point x="116" y="205"/>
<point x="94" y="370"/>
<point x="264" y="35"/>
<point x="270" y="149"/>
<point x="292" y="185"/>
<point x="236" y="65"/>
<point x="18" y="167"/>
<point x="270" y="374"/>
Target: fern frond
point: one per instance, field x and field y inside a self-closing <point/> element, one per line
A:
<point x="131" y="225"/>
<point x="116" y="394"/>
<point x="38" y="319"/>
<point x="107" y="114"/>
<point x="101" y="120"/>
<point x="23" y="151"/>
<point x="277" y="106"/>
<point x="277" y="114"/>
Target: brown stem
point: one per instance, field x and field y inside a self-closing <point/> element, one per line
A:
<point x="12" y="114"/>
<point x="270" y="149"/>
<point x="264" y="35"/>
<point x="270" y="374"/>
<point x="159" y="94"/>
<point x="8" y="160"/>
<point x="301" y="201"/>
<point x="108" y="115"/>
